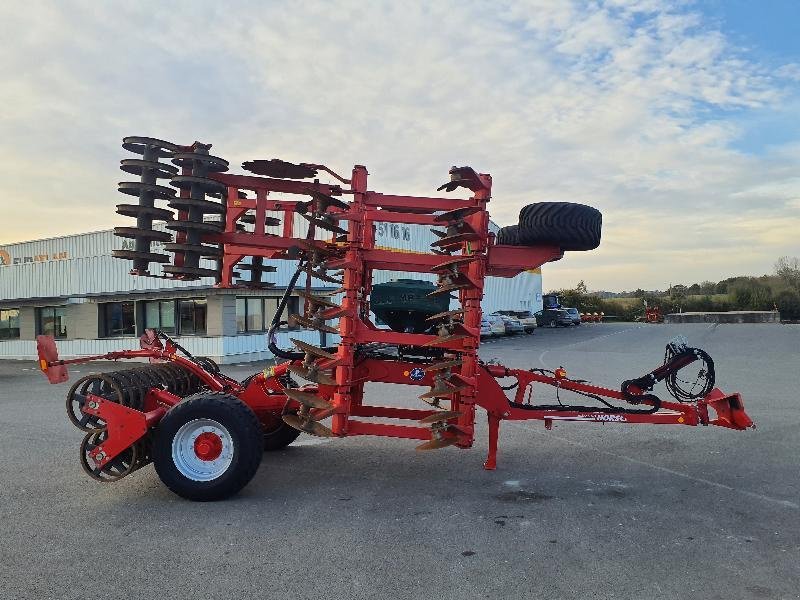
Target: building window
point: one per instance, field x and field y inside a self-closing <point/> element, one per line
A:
<point x="255" y="314"/>
<point x="9" y="324"/>
<point x="192" y="317"/>
<point x="160" y="314"/>
<point x="181" y="317"/>
<point x="241" y="315"/>
<point x="117" y="319"/>
<point x="52" y="320"/>
<point x="250" y="314"/>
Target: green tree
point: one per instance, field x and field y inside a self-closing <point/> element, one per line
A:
<point x="677" y="298"/>
<point x="651" y="299"/>
<point x="580" y="298"/>
<point x="788" y="269"/>
<point x="788" y="303"/>
<point x="752" y="294"/>
<point x="708" y="287"/>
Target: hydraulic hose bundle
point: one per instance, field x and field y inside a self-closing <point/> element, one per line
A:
<point x="703" y="382"/>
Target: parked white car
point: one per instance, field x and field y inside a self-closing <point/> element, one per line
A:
<point x="496" y="324"/>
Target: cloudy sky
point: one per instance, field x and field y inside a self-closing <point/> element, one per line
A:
<point x="678" y="120"/>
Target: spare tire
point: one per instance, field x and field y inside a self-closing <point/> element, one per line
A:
<point x="508" y="236"/>
<point x="565" y="224"/>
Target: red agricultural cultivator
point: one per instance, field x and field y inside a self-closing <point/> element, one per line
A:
<point x="206" y="432"/>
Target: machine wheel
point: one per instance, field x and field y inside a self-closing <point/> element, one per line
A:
<point x="553" y="324"/>
<point x="566" y="224"/>
<point x="508" y="236"/>
<point x="208" y="447"/>
<point x="279" y="437"/>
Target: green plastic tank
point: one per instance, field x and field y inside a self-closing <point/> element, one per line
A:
<point x="404" y="304"/>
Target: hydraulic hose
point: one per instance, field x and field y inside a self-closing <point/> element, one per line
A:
<point x="703" y="383"/>
<point x="276" y="320"/>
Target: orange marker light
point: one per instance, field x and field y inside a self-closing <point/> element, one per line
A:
<point x="561" y="373"/>
<point x="43" y="365"/>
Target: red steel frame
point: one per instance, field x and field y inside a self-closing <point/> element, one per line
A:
<point x="359" y="258"/>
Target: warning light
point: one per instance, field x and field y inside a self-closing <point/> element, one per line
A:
<point x="43" y="365"/>
<point x="560" y="373"/>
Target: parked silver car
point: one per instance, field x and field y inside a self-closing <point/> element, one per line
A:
<point x="486" y="327"/>
<point x="523" y="316"/>
<point x="574" y="315"/>
<point x="512" y="324"/>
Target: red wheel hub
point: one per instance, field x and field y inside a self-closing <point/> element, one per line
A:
<point x="208" y="446"/>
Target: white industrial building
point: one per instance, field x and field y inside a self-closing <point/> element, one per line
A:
<point x="72" y="288"/>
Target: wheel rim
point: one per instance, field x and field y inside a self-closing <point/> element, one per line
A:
<point x="202" y="450"/>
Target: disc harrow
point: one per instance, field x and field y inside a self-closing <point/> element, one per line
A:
<point x="193" y="206"/>
<point x="182" y="413"/>
<point x="147" y="190"/>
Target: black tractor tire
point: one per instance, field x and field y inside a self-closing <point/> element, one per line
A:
<point x="508" y="236"/>
<point x="242" y="455"/>
<point x="280" y="437"/>
<point x="565" y="224"/>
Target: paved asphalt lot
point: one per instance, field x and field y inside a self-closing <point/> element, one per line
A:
<point x="582" y="511"/>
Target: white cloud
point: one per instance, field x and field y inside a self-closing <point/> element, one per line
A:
<point x="789" y="71"/>
<point x="631" y="106"/>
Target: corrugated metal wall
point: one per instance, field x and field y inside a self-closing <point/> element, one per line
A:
<point x="87" y="268"/>
<point x="81" y="265"/>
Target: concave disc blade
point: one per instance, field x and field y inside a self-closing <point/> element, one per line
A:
<point x="456" y="214"/>
<point x="449" y="288"/>
<point x="309" y="324"/>
<point x="307" y="426"/>
<point x="312" y="350"/>
<point x="446" y="315"/>
<point x="314" y="299"/>
<point x="444" y="415"/>
<point x="435" y="444"/>
<point x="444" y="393"/>
<point x="310" y="400"/>
<point x="310" y="375"/>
